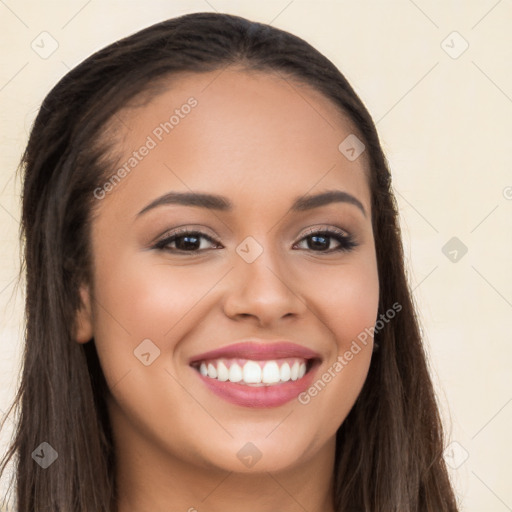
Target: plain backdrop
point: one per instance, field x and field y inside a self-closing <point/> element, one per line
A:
<point x="436" y="77"/>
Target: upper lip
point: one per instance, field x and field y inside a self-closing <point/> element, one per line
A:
<point x="261" y="350"/>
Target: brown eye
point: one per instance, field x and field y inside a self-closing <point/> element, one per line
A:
<point x="320" y="241"/>
<point x="185" y="241"/>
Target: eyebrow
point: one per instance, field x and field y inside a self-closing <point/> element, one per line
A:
<point x="221" y="203"/>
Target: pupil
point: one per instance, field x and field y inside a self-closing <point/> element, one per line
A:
<point x="317" y="244"/>
<point x="187" y="245"/>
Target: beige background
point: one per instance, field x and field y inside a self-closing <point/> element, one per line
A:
<point x="444" y="117"/>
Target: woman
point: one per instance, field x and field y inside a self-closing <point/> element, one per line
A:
<point x="218" y="313"/>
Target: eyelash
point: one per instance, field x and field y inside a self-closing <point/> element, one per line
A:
<point x="346" y="241"/>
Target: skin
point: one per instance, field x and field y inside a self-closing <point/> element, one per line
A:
<point x="261" y="141"/>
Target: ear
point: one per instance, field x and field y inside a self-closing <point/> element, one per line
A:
<point x="84" y="331"/>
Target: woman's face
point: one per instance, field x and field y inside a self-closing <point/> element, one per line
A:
<point x="258" y="291"/>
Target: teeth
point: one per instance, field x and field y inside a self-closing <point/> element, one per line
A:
<point x="222" y="372"/>
<point x="285" y="372"/>
<point x="271" y="373"/>
<point x="235" y="373"/>
<point x="255" y="373"/>
<point x="294" y="374"/>
<point x="212" y="371"/>
<point x="252" y="373"/>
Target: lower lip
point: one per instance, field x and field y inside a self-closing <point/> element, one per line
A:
<point x="259" y="396"/>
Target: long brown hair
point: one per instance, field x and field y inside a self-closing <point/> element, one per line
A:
<point x="389" y="448"/>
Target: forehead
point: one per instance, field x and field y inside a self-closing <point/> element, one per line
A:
<point x="237" y="130"/>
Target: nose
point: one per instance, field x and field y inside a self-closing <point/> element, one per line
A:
<point x="262" y="292"/>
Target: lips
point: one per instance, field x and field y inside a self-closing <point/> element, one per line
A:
<point x="257" y="373"/>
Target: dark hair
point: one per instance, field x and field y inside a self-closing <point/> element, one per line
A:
<point x="388" y="449"/>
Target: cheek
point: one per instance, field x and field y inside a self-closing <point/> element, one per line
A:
<point x="136" y="301"/>
<point x="347" y="299"/>
<point x="148" y="299"/>
<point x="348" y="306"/>
<point x="354" y="309"/>
<point x="139" y="309"/>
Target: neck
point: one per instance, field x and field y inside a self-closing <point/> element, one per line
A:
<point x="223" y="492"/>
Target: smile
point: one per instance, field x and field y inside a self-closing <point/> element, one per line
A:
<point x="254" y="373"/>
<point x="257" y="373"/>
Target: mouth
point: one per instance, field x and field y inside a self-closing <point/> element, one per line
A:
<point x="255" y="374"/>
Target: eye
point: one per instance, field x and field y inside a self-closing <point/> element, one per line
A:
<point x="193" y="241"/>
<point x="319" y="240"/>
<point x="185" y="240"/>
